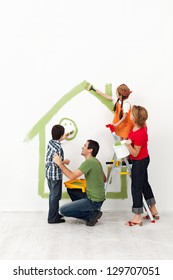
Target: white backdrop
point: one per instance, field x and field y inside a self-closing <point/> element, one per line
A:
<point x="49" y="47"/>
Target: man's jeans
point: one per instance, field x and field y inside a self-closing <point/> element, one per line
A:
<point x="80" y="209"/>
<point x="55" y="194"/>
<point x="140" y="185"/>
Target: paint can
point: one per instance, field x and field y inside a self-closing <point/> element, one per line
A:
<point x="120" y="149"/>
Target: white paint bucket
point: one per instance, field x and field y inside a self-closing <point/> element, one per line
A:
<point x="121" y="150"/>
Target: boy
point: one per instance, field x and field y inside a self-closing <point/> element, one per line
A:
<point x="54" y="173"/>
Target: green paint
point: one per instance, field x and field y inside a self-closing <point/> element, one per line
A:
<point x="50" y="114"/>
<point x="76" y="184"/>
<point x="40" y="128"/>
<point x="108" y="103"/>
<point x="118" y="143"/>
<point x="41" y="170"/>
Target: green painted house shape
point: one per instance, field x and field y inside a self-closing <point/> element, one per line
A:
<point x="40" y="130"/>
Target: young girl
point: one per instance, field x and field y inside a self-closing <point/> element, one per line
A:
<point x="122" y="108"/>
<point x="137" y="146"/>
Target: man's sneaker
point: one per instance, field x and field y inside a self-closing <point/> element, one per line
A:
<point x="94" y="217"/>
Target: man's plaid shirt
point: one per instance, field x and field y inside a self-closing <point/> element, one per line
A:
<point x="53" y="172"/>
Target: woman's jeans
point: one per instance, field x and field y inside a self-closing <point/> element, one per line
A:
<point x="55" y="194"/>
<point x="81" y="208"/>
<point x="140" y="185"/>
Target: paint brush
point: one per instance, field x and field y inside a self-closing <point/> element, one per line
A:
<point x="70" y="133"/>
<point x="90" y="87"/>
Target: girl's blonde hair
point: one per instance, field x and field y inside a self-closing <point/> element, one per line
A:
<point x="140" y="115"/>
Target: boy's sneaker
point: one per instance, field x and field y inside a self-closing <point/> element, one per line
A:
<point x="60" y="216"/>
<point x="58" y="221"/>
<point x="94" y="217"/>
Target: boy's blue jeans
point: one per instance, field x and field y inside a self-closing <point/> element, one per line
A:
<point x="55" y="194"/>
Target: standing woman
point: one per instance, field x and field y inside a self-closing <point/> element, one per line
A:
<point x="137" y="145"/>
<point x="122" y="108"/>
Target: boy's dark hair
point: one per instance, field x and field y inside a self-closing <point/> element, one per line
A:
<point x="57" y="131"/>
<point x="94" y="145"/>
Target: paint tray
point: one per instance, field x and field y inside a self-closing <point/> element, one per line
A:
<point x="76" y="184"/>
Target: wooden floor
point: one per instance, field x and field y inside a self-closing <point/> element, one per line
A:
<point x="27" y="236"/>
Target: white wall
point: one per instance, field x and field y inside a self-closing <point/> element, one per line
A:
<point x="47" y="48"/>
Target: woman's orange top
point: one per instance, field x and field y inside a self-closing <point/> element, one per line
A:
<point x="126" y="126"/>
